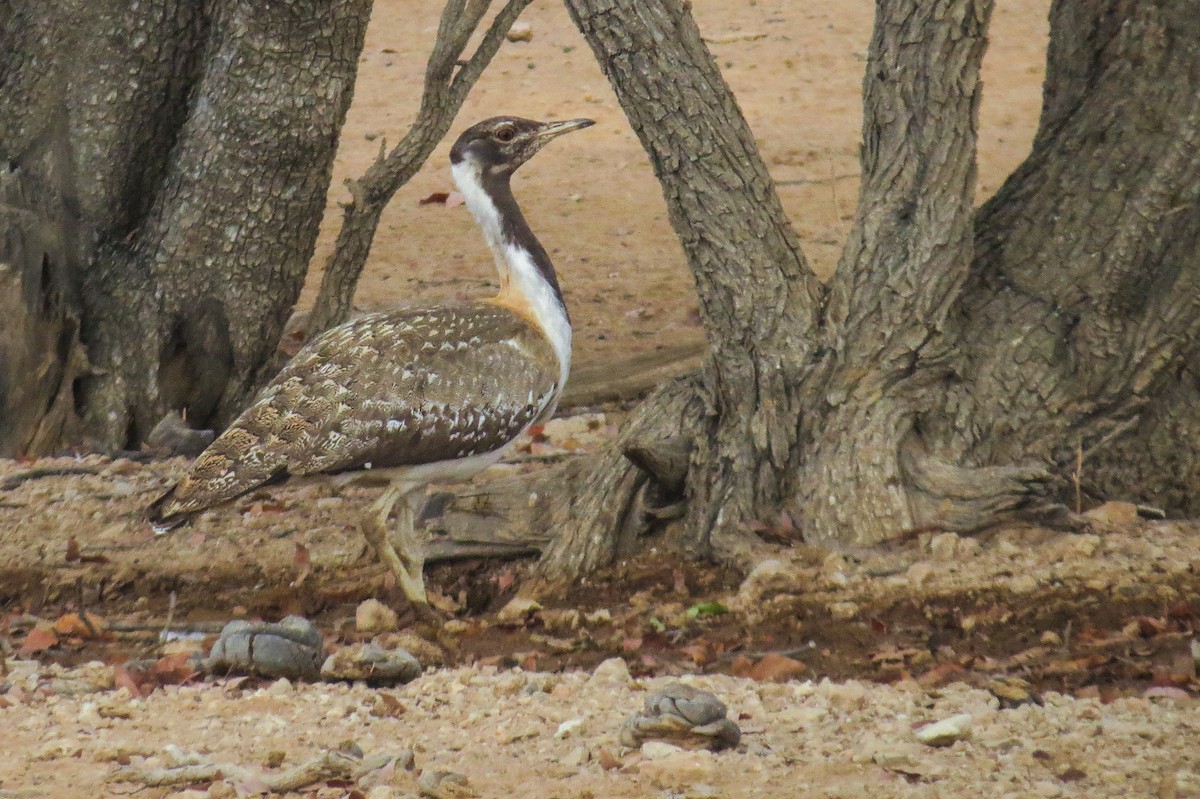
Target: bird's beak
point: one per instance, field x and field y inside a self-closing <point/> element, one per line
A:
<point x="551" y="130"/>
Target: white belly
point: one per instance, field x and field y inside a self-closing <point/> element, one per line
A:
<point x="416" y="477"/>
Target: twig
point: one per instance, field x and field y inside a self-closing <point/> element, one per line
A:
<point x="837" y="205"/>
<point x="816" y="181"/>
<point x="443" y="551"/>
<point x="37" y="474"/>
<point x="547" y="457"/>
<point x="166" y="629"/>
<point x="156" y="626"/>
<point x="326" y="766"/>
<point x="1077" y="477"/>
<point x="83" y="616"/>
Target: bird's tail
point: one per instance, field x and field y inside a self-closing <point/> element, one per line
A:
<point x="161" y="521"/>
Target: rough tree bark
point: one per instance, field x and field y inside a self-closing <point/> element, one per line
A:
<point x="166" y="170"/>
<point x="959" y="361"/>
<point x="758" y="298"/>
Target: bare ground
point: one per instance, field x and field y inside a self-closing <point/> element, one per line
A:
<point x="865" y="646"/>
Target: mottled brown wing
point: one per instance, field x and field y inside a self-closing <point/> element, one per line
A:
<point x="387" y="390"/>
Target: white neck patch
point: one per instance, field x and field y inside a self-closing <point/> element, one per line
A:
<point x="518" y="272"/>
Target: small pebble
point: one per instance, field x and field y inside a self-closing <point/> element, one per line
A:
<point x="517" y="611"/>
<point x="372" y="616"/>
<point x="520" y="32"/>
<point x="613" y="670"/>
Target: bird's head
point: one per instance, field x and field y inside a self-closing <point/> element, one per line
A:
<point x="498" y="146"/>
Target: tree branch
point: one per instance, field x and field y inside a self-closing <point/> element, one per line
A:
<point x="910" y="249"/>
<point x="443" y="96"/>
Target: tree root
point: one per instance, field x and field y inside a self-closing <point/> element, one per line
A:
<point x="603" y="513"/>
<point x="191" y="768"/>
<point x="961" y="499"/>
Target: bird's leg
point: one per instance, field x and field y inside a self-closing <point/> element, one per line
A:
<point x="409" y="549"/>
<point x="374" y="526"/>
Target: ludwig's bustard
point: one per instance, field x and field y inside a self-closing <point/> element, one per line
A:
<point x="415" y="395"/>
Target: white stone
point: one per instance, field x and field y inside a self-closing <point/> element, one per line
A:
<point x="568" y="727"/>
<point x="849" y="695"/>
<point x="843" y="611"/>
<point x="946" y="731"/>
<point x="520" y="32"/>
<point x="613" y="670"/>
<point x="770" y="576"/>
<point x="577" y="757"/>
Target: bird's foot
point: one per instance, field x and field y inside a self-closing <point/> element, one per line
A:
<point x="411" y="580"/>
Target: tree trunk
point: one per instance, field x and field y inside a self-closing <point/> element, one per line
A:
<point x="173" y="160"/>
<point x="960" y="362"/>
<point x="1083" y="307"/>
<point x="758" y="298"/>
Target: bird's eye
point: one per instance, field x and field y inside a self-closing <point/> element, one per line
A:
<point x="505" y="133"/>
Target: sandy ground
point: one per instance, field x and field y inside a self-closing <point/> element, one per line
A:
<point x="875" y="644"/>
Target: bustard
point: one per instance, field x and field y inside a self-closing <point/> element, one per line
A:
<point x="416" y="395"/>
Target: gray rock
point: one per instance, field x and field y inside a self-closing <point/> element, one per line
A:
<point x="290" y="648"/>
<point x="684" y="716"/>
<point x="172" y="436"/>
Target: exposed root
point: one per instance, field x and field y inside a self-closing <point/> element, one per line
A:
<point x="962" y="499"/>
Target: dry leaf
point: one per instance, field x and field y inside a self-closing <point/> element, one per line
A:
<point x="776" y="668"/>
<point x="1148" y="627"/>
<point x="438" y="197"/>
<point x="174" y="669"/>
<point x="123" y="679"/>
<point x="72" y="624"/>
<point x="1181" y="611"/>
<point x="37" y="640"/>
<point x="940" y="674"/>
<point x="741" y="666"/>
<point x="606" y="759"/>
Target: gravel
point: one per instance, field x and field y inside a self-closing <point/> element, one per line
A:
<point x="799" y="738"/>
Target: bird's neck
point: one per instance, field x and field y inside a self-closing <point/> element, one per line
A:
<point x="528" y="283"/>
